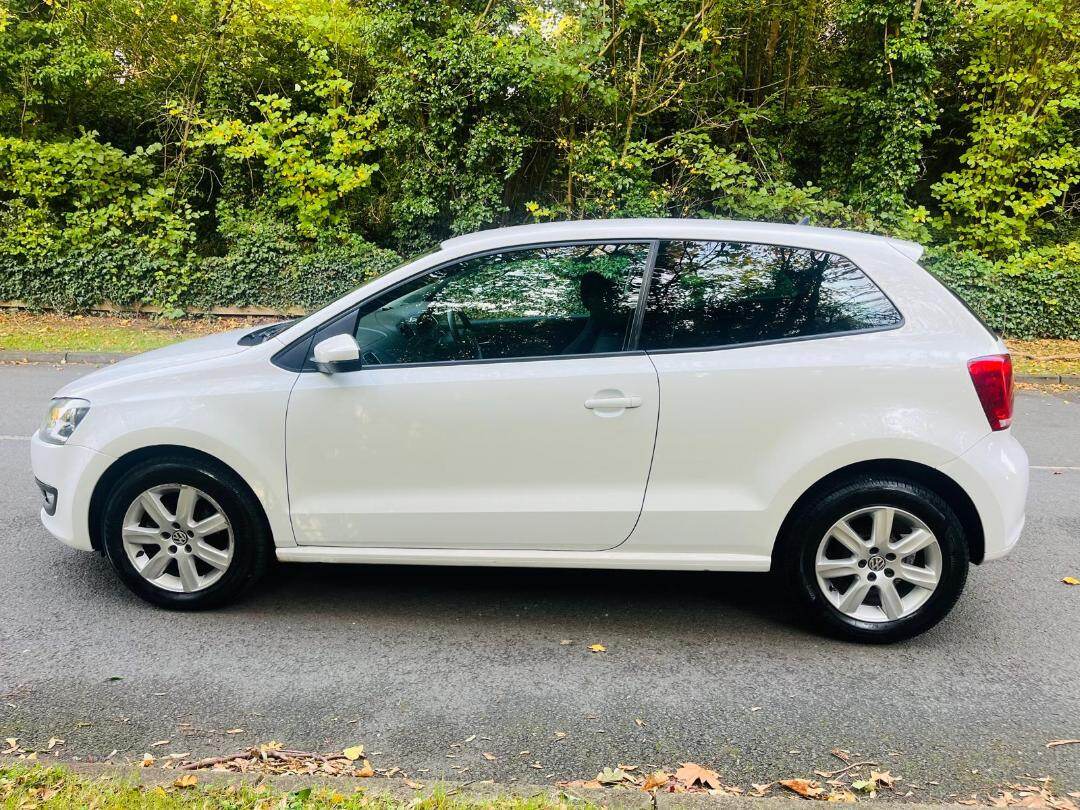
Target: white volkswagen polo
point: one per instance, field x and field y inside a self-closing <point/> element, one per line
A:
<point x="659" y="394"/>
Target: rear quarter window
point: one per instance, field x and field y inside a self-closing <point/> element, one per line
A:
<point x="713" y="294"/>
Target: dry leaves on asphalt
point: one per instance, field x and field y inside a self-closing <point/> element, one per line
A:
<point x="1071" y="581"/>
<point x="689" y="778"/>
<point x="274" y="758"/>
<point x="597" y="648"/>
<point x="1036" y="794"/>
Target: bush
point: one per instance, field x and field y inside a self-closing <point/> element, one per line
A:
<point x="265" y="267"/>
<point x="1033" y="295"/>
<point x="84" y="277"/>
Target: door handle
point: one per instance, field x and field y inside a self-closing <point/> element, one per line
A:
<point x="613" y="402"/>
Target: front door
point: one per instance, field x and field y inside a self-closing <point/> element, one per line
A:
<point x="494" y="407"/>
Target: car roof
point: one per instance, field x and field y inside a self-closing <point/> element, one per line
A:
<point x="831" y="239"/>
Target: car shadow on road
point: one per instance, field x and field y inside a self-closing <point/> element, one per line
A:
<point x="661" y="600"/>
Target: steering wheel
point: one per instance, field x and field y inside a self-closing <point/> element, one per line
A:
<point x="460" y="328"/>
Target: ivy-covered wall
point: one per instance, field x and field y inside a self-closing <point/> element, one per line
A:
<point x="192" y="153"/>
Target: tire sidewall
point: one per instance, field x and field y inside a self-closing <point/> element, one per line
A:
<point x="917" y="500"/>
<point x="245" y="528"/>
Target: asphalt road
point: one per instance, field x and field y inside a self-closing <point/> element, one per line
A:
<point x="411" y="661"/>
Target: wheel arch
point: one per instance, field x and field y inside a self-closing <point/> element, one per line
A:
<point x="125" y="462"/>
<point x="939" y="482"/>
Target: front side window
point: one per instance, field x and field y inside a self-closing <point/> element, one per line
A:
<point x="537" y="302"/>
<point x="707" y="294"/>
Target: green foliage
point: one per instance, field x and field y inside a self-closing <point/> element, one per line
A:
<point x="1023" y="96"/>
<point x="1035" y="295"/>
<point x="189" y="153"/>
<point x="309" y="162"/>
<point x="267" y="265"/>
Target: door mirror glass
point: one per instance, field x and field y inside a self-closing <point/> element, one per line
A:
<point x="333" y="350"/>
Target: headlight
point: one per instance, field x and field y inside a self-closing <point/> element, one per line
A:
<point x="63" y="417"/>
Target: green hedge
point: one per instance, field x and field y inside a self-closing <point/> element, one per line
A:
<point x="1035" y="295"/>
<point x="276" y="273"/>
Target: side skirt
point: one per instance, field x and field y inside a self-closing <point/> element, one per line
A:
<point x="527" y="559"/>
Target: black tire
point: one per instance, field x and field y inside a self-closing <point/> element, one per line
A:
<point x="806" y="528"/>
<point x="252" y="546"/>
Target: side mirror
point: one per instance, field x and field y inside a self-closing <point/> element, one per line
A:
<point x="336" y="349"/>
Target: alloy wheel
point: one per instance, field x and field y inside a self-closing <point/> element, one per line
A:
<point x="878" y="564"/>
<point x="178" y="538"/>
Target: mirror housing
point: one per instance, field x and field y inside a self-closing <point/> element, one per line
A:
<point x="333" y="350"/>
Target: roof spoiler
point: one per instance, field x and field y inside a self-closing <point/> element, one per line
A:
<point x="912" y="250"/>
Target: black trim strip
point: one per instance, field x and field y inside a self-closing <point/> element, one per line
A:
<point x="646" y="281"/>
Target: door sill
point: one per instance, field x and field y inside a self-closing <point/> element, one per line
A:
<point x="527" y="559"/>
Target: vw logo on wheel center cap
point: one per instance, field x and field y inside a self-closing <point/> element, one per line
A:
<point x="179" y="536"/>
<point x="876" y="563"/>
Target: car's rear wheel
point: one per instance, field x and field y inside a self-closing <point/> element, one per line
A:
<point x="184" y="533"/>
<point x="875" y="559"/>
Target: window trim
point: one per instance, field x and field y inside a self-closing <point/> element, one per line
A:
<point x="629" y="344"/>
<point x="773" y="341"/>
<point x="630" y="347"/>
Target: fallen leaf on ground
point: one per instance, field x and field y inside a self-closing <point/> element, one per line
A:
<point x="883" y="778"/>
<point x="1071" y="581"/>
<point x="414" y="785"/>
<point x="53" y="742"/>
<point x="353" y="753"/>
<point x="597" y="648"/>
<point x="186" y="781"/>
<point x="580" y="783"/>
<point x="160" y="743"/>
<point x="488" y="756"/>
<point x="656" y="780"/>
<point x="690" y="773"/>
<point x="470" y="738"/>
<point x="803" y="787"/>
<point x="234" y="731"/>
<point x="147" y="760"/>
<point x="1056" y="743"/>
<point x="843" y="796"/>
<point x="611" y="776"/>
<point x="365" y="770"/>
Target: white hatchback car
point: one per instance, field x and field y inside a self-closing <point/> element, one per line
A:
<point x="660" y="394"/>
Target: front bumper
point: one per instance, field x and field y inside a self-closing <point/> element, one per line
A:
<point x="72" y="471"/>
<point x="994" y="473"/>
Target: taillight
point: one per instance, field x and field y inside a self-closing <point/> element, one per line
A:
<point x="992" y="376"/>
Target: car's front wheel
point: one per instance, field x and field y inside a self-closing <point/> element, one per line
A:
<point x="184" y="533"/>
<point x="876" y="559"/>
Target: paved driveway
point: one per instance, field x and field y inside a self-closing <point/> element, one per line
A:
<point x="410" y="661"/>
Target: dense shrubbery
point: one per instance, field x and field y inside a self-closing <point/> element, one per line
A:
<point x="191" y="153"/>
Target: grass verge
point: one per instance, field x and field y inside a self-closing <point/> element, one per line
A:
<point x="27" y="332"/>
<point x="26" y="787"/>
